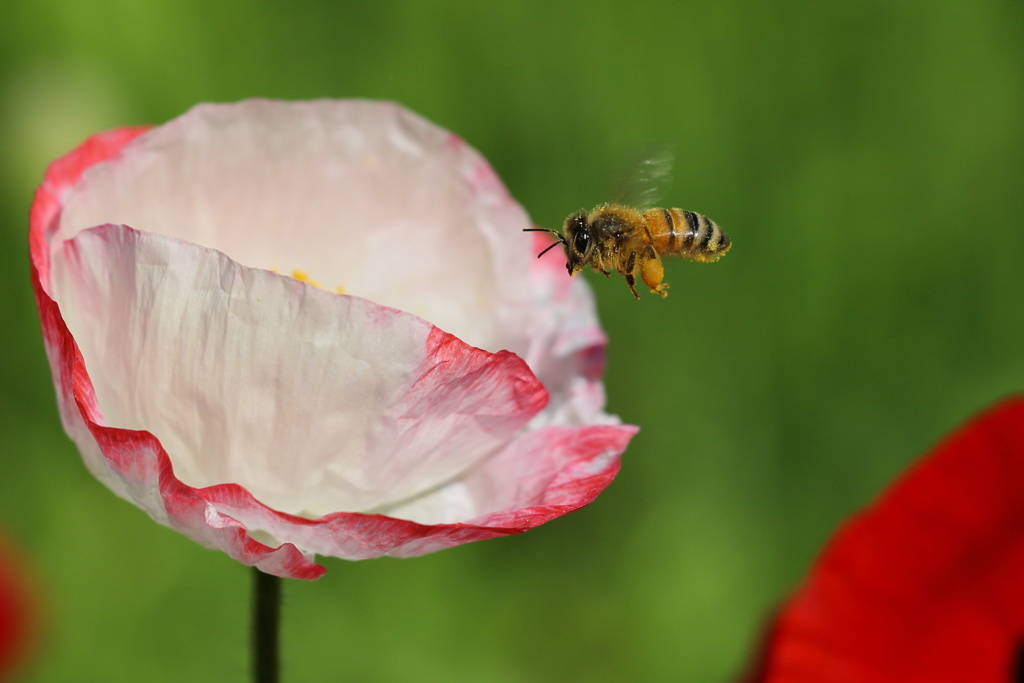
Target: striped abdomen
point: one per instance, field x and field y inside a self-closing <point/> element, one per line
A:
<point x="684" y="233"/>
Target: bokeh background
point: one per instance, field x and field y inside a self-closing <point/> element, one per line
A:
<point x="866" y="157"/>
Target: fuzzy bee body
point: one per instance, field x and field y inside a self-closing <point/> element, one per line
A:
<point x="630" y="241"/>
<point x="677" y="232"/>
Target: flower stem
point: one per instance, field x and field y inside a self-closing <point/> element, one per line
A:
<point x="266" y="618"/>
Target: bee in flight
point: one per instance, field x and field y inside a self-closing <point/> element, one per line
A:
<point x="631" y="241"/>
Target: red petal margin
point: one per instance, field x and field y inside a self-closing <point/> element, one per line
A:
<point x="572" y="464"/>
<point x="139" y="462"/>
<point x="61" y="176"/>
<point x="926" y="584"/>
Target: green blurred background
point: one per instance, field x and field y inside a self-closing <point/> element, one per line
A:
<point x="866" y="157"/>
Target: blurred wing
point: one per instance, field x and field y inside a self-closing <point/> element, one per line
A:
<point x="647" y="177"/>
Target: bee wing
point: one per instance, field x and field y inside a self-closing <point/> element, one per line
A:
<point x="648" y="177"/>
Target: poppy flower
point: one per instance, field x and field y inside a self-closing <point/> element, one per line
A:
<point x="289" y="329"/>
<point x="17" y="614"/>
<point x="926" y="584"/>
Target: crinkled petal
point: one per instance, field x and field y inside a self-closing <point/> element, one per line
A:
<point x="575" y="467"/>
<point x="314" y="402"/>
<point x="363" y="195"/>
<point x="134" y="465"/>
<point x="550" y="466"/>
<point x="566" y="347"/>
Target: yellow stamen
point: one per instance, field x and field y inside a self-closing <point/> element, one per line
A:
<point x="303" y="276"/>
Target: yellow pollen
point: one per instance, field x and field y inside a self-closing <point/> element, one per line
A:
<point x="303" y="276"/>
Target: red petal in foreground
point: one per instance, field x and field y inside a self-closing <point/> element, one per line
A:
<point x="925" y="585"/>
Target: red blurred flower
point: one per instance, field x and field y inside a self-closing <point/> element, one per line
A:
<point x="17" y="621"/>
<point x="452" y="394"/>
<point x="926" y="584"/>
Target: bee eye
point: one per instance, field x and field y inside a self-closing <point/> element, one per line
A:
<point x="581" y="241"/>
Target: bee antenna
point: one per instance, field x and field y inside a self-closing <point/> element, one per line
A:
<point x="549" y="248"/>
<point x="561" y="240"/>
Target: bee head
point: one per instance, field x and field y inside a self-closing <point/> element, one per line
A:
<point x="578" y="245"/>
<point x="575" y="237"/>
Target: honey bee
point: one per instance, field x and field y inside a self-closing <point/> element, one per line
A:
<point x="631" y="241"/>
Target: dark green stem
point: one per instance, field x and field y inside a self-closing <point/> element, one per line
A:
<point x="266" y="618"/>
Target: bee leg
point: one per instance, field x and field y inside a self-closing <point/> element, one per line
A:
<point x="653" y="272"/>
<point x="606" y="273"/>
<point x="630" y="277"/>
